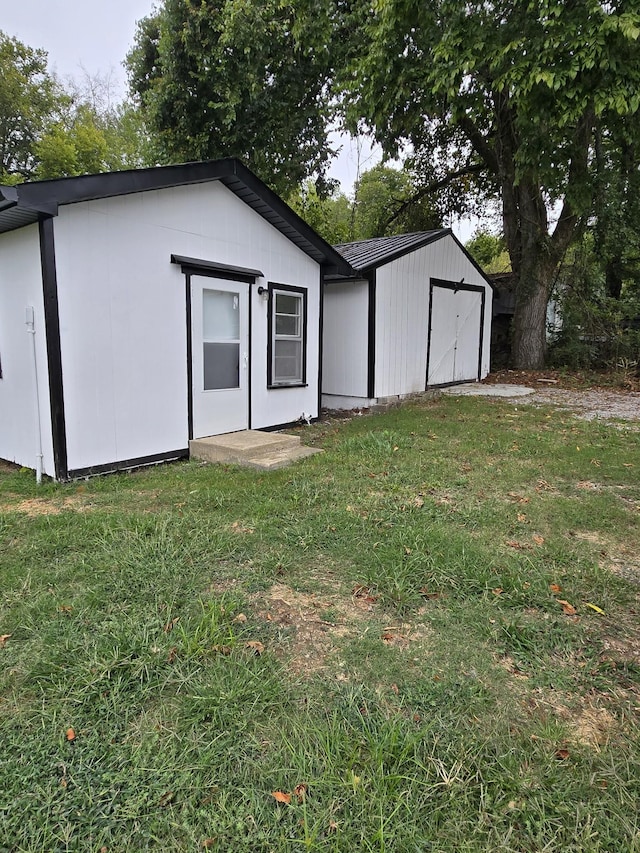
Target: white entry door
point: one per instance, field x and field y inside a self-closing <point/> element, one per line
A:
<point x="220" y="355"/>
<point x="455" y="335"/>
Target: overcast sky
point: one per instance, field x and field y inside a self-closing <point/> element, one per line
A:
<point x="91" y="34"/>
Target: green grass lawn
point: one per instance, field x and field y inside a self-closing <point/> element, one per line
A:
<point x="426" y="638"/>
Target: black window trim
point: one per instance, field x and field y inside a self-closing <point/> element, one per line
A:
<point x="273" y="288"/>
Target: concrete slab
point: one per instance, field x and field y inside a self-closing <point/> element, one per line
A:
<point x="268" y="450"/>
<point x="474" y="389"/>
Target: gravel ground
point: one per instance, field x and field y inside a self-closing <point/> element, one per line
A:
<point x="596" y="404"/>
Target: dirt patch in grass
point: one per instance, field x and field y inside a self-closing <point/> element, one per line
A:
<point x="618" y="558"/>
<point x="34" y="507"/>
<point x="310" y="623"/>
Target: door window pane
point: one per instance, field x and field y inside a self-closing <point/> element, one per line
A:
<point x="221" y="366"/>
<point x="220" y="316"/>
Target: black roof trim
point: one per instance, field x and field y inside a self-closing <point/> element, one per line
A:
<point x="226" y="270"/>
<point x="365" y="255"/>
<point x="44" y="197"/>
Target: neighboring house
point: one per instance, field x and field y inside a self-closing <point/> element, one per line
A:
<point x="140" y="309"/>
<point x="416" y="314"/>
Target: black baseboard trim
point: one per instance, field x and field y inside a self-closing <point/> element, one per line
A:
<point x="288" y="425"/>
<point x="127" y="464"/>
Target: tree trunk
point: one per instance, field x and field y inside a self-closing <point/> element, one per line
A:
<point x="530" y="318"/>
<point x="534" y="270"/>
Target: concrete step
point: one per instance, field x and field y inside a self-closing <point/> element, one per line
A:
<point x="267" y="450"/>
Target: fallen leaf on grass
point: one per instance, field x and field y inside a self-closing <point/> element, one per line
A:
<point x="221" y="650"/>
<point x="363" y="592"/>
<point x="71" y="735"/>
<point x="539" y="540"/>
<point x="497" y="590"/>
<point x="173" y="654"/>
<point x="333" y="826"/>
<point x="240" y="618"/>
<point x="171" y="625"/>
<point x="520" y="499"/>
<point x="418" y="501"/>
<point x="237" y="527"/>
<point x="3" y="639"/>
<point x="208" y="843"/>
<point x="256" y="646"/>
<point x="301" y="792"/>
<point x="522" y="517"/>
<point x="281" y="797"/>
<point x="567" y="608"/>
<point x="424" y="592"/>
<point x="562" y="754"/>
<point x="166" y="798"/>
<point x="519" y="546"/>
<point x="555" y="587"/>
<point x="595" y="607"/>
<point x="586" y="484"/>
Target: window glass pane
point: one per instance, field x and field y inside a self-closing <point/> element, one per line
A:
<point x="287" y="361"/>
<point x="220" y="316"/>
<point x="286" y="325"/>
<point x="221" y="366"/>
<point x="286" y="304"/>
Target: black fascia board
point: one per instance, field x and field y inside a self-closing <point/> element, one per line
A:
<point x="405" y="250"/>
<point x="195" y="265"/>
<point x="46" y="196"/>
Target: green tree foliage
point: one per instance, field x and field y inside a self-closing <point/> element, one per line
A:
<point x="384" y="204"/>
<point x="514" y="88"/>
<point x="489" y="251"/>
<point x="31" y="100"/>
<point x="51" y="131"/>
<point x="241" y="78"/>
<point x="330" y="215"/>
<point x="379" y="207"/>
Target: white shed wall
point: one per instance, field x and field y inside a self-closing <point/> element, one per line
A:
<point x="123" y="315"/>
<point x="402" y="308"/>
<point x="345" y="351"/>
<point x="21" y="286"/>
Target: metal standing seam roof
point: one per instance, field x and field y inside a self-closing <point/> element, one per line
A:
<point x="27" y="203"/>
<point x="365" y="255"/>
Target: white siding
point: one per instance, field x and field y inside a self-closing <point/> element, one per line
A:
<point x="21" y="286"/>
<point x="123" y="316"/>
<point x="402" y="307"/>
<point x="345" y="340"/>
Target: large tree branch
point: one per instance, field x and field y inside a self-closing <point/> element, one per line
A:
<point x="470" y="169"/>
<point x="578" y="174"/>
<point x="480" y="144"/>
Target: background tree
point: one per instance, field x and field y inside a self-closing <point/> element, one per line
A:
<point x="489" y="251"/>
<point x="48" y="130"/>
<point x="514" y="89"/>
<point x="220" y="78"/>
<point x="381" y="204"/>
<point x="330" y="215"/>
<point x="31" y="100"/>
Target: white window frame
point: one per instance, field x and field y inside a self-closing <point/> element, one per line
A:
<point x="299" y="293"/>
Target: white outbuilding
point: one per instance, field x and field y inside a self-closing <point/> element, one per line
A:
<point x="142" y="309"/>
<point x="415" y="314"/>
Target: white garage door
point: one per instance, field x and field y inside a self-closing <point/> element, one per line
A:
<point x="455" y="333"/>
